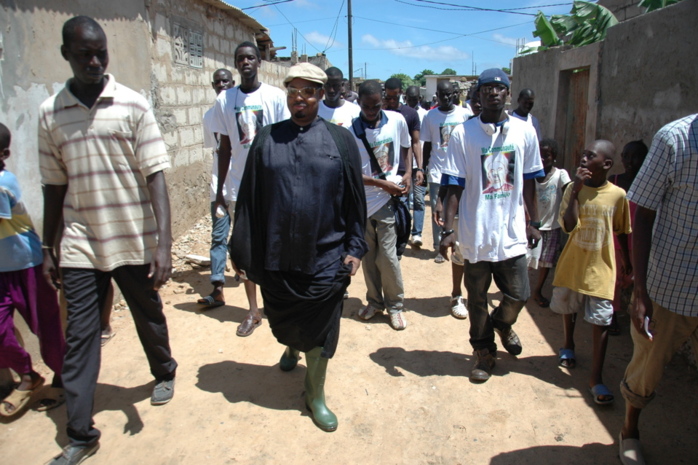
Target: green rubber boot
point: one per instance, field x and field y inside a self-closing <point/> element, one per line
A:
<point x="315" y="391"/>
<point x="289" y="359"/>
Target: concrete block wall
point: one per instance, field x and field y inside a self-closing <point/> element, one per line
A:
<point x="182" y="94"/>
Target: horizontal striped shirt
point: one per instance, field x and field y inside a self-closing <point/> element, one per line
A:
<point x="667" y="183"/>
<point x="104" y="155"/>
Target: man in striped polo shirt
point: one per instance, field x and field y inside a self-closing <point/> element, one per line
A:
<point x="102" y="159"/>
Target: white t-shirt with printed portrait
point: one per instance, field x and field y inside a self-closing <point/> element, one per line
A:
<point x="240" y="116"/>
<point x="386" y="140"/>
<point x="436" y="128"/>
<point x="341" y="116"/>
<point x="493" y="163"/>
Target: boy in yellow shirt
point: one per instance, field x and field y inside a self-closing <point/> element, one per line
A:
<point x="592" y="210"/>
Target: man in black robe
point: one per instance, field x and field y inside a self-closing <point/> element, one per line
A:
<point x="299" y="230"/>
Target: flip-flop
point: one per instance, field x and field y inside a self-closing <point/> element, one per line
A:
<point x="19" y="399"/>
<point x="210" y="302"/>
<point x="630" y="451"/>
<point x="567" y="356"/>
<point x="542" y="302"/>
<point x="106" y="337"/>
<point x="241" y="331"/>
<point x="601" y="390"/>
<point x="55" y="397"/>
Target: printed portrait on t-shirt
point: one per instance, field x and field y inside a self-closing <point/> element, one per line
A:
<point x="497" y="172"/>
<point x="384" y="155"/>
<point x="249" y="121"/>
<point x="445" y="132"/>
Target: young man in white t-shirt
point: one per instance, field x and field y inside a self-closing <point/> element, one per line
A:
<point x="239" y="113"/>
<point x="386" y="133"/>
<point x="334" y="108"/>
<point x="220" y="226"/>
<point x="495" y="160"/>
<point x="436" y="133"/>
<point x="523" y="111"/>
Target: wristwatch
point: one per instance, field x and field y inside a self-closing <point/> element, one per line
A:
<point x="446" y="233"/>
<point x="535" y="224"/>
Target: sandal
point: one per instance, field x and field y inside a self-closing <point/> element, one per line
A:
<point x="566" y="358"/>
<point x="542" y="301"/>
<point x="55" y="397"/>
<point x="106" y="337"/>
<point x="600" y="390"/>
<point x="19" y="399"/>
<point x="247" y="327"/>
<point x="210" y="302"/>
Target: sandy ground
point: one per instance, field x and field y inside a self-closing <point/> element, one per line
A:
<point x="401" y="397"/>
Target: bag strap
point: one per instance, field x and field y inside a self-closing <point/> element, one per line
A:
<point x="358" y="127"/>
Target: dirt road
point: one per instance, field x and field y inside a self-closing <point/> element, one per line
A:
<point x="401" y="397"/>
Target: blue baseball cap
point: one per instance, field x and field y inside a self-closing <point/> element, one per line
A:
<point x="495" y="75"/>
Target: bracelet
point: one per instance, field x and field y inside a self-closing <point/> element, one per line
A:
<point x="46" y="247"/>
<point x="534" y="224"/>
<point x="446" y="233"/>
<point x="420" y="170"/>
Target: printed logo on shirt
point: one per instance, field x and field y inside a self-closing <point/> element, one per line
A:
<point x="249" y="119"/>
<point x="498" y="171"/>
<point x="445" y="130"/>
<point x="591" y="234"/>
<point x="384" y="153"/>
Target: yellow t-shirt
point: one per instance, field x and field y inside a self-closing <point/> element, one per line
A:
<point x="587" y="264"/>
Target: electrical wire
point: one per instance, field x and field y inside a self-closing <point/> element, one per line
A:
<point x="266" y="4"/>
<point x="289" y="22"/>
<point x="451" y="38"/>
<point x="335" y="29"/>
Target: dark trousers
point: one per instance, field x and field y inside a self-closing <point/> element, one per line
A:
<point x="85" y="291"/>
<point x="511" y="277"/>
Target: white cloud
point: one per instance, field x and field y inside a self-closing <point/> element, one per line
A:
<point x="504" y="39"/>
<point x="423" y="52"/>
<point x="321" y="39"/>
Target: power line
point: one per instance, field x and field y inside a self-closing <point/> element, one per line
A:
<point x="299" y="22"/>
<point x="333" y="32"/>
<point x="451" y="38"/>
<point x="458" y="7"/>
<point x="266" y="4"/>
<point x="289" y="22"/>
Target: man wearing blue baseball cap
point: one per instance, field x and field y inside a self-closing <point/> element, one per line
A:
<point x="492" y="163"/>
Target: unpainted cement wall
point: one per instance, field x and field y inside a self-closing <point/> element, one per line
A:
<point x="641" y="76"/>
<point x="32" y="69"/>
<point x="648" y="73"/>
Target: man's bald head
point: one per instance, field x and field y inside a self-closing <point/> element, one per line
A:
<point x="80" y="22"/>
<point x="445" y="86"/>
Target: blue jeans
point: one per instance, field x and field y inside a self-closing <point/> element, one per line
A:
<point x="435" y="228"/>
<point x="511" y="277"/>
<point x="220" y="229"/>
<point x="417" y="195"/>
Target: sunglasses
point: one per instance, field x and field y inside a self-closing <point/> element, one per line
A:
<point x="306" y="92"/>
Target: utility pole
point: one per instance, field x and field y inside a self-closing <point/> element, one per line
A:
<point x="351" y="48"/>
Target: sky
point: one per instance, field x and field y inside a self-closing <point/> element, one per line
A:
<point x="404" y="36"/>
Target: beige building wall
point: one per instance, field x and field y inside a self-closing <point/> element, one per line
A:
<point x="142" y="55"/>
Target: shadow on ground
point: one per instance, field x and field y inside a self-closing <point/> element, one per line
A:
<point x="265" y="386"/>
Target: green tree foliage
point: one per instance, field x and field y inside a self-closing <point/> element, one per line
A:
<point x="651" y="5"/>
<point x="419" y="78"/>
<point x="449" y="71"/>
<point x="406" y="80"/>
<point x="506" y="70"/>
<point x="587" y="23"/>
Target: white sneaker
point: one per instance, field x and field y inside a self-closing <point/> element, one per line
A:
<point x="398" y="321"/>
<point x="417" y="241"/>
<point x="368" y="312"/>
<point x="458" y="308"/>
